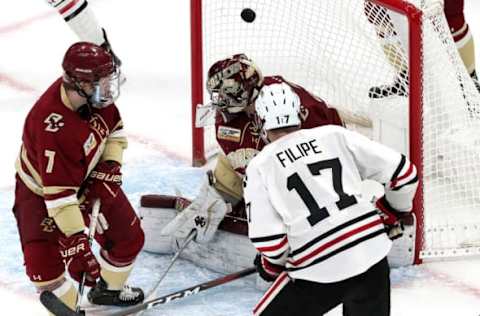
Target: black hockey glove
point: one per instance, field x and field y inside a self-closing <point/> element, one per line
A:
<point x="394" y="220"/>
<point x="267" y="270"/>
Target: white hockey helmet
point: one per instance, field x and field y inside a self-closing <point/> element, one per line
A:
<point x="278" y="106"/>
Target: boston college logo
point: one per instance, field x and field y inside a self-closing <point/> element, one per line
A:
<point x="48" y="225"/>
<point x="54" y="122"/>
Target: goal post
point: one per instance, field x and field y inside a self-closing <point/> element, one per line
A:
<point x="196" y="53"/>
<point x="351" y="53"/>
<point x="414" y="18"/>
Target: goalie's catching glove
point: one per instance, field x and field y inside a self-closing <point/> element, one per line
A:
<point x="204" y="214"/>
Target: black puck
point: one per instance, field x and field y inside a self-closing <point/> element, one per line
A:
<point x="248" y="15"/>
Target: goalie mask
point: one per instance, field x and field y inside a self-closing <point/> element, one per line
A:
<point x="277" y="106"/>
<point x="90" y="70"/>
<point x="233" y="83"/>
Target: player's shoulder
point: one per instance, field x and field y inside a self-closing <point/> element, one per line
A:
<point x="258" y="160"/>
<point x="327" y="131"/>
<point x="50" y="118"/>
<point x="269" y="80"/>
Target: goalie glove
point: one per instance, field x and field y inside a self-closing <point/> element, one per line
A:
<point x="394" y="220"/>
<point x="204" y="215"/>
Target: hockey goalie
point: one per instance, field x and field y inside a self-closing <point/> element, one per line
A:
<point x="234" y="84"/>
<point x="217" y="214"/>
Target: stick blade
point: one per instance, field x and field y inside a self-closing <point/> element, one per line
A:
<point x="55" y="305"/>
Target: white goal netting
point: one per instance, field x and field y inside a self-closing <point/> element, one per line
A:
<point x="356" y="55"/>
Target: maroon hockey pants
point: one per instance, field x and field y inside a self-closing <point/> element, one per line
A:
<point x="120" y="242"/>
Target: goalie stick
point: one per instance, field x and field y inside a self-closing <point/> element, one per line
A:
<point x="57" y="307"/>
<point x="151" y="294"/>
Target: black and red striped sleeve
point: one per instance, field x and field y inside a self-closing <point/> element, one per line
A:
<point x="380" y="163"/>
<point x="266" y="228"/>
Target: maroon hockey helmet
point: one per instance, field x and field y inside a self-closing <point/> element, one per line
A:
<point x="86" y="62"/>
<point x="234" y="83"/>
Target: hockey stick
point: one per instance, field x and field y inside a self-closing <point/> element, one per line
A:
<point x="50" y="300"/>
<point x="151" y="294"/>
<point x="91" y="234"/>
<point x="184" y="293"/>
<point x="57" y="307"/>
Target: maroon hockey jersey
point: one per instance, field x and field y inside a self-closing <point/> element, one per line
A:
<point x="60" y="148"/>
<point x="240" y="138"/>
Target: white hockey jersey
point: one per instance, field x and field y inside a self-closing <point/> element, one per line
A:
<point x="304" y="204"/>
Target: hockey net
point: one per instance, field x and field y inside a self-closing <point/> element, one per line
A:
<point x="340" y="50"/>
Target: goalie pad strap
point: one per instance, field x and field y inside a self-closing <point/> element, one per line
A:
<point x="225" y="179"/>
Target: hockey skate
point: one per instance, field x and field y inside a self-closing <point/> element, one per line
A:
<point x="398" y="88"/>
<point x="101" y="295"/>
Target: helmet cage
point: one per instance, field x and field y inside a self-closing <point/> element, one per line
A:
<point x="91" y="71"/>
<point x="104" y="91"/>
<point x="234" y="87"/>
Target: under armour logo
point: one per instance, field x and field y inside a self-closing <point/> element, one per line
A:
<point x="37" y="277"/>
<point x="200" y="221"/>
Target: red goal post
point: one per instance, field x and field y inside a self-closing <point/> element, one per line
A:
<point x="334" y="49"/>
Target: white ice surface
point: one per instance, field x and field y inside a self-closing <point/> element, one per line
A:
<point x="152" y="39"/>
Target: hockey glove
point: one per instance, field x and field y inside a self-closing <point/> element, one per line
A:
<point x="393" y="219"/>
<point x="104" y="181"/>
<point x="204" y="214"/>
<point x="267" y="270"/>
<point x="79" y="259"/>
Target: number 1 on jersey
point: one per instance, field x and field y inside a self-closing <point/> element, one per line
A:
<point x="294" y="182"/>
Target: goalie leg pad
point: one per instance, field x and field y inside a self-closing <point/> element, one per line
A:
<point x="153" y="221"/>
<point x="204" y="214"/>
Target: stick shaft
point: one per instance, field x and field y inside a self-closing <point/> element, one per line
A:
<point x="185" y="292"/>
<point x="151" y="294"/>
<point x="91" y="234"/>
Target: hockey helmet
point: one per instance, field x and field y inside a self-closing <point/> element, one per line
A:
<point x="233" y="83"/>
<point x="277" y="106"/>
<point x="86" y="62"/>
